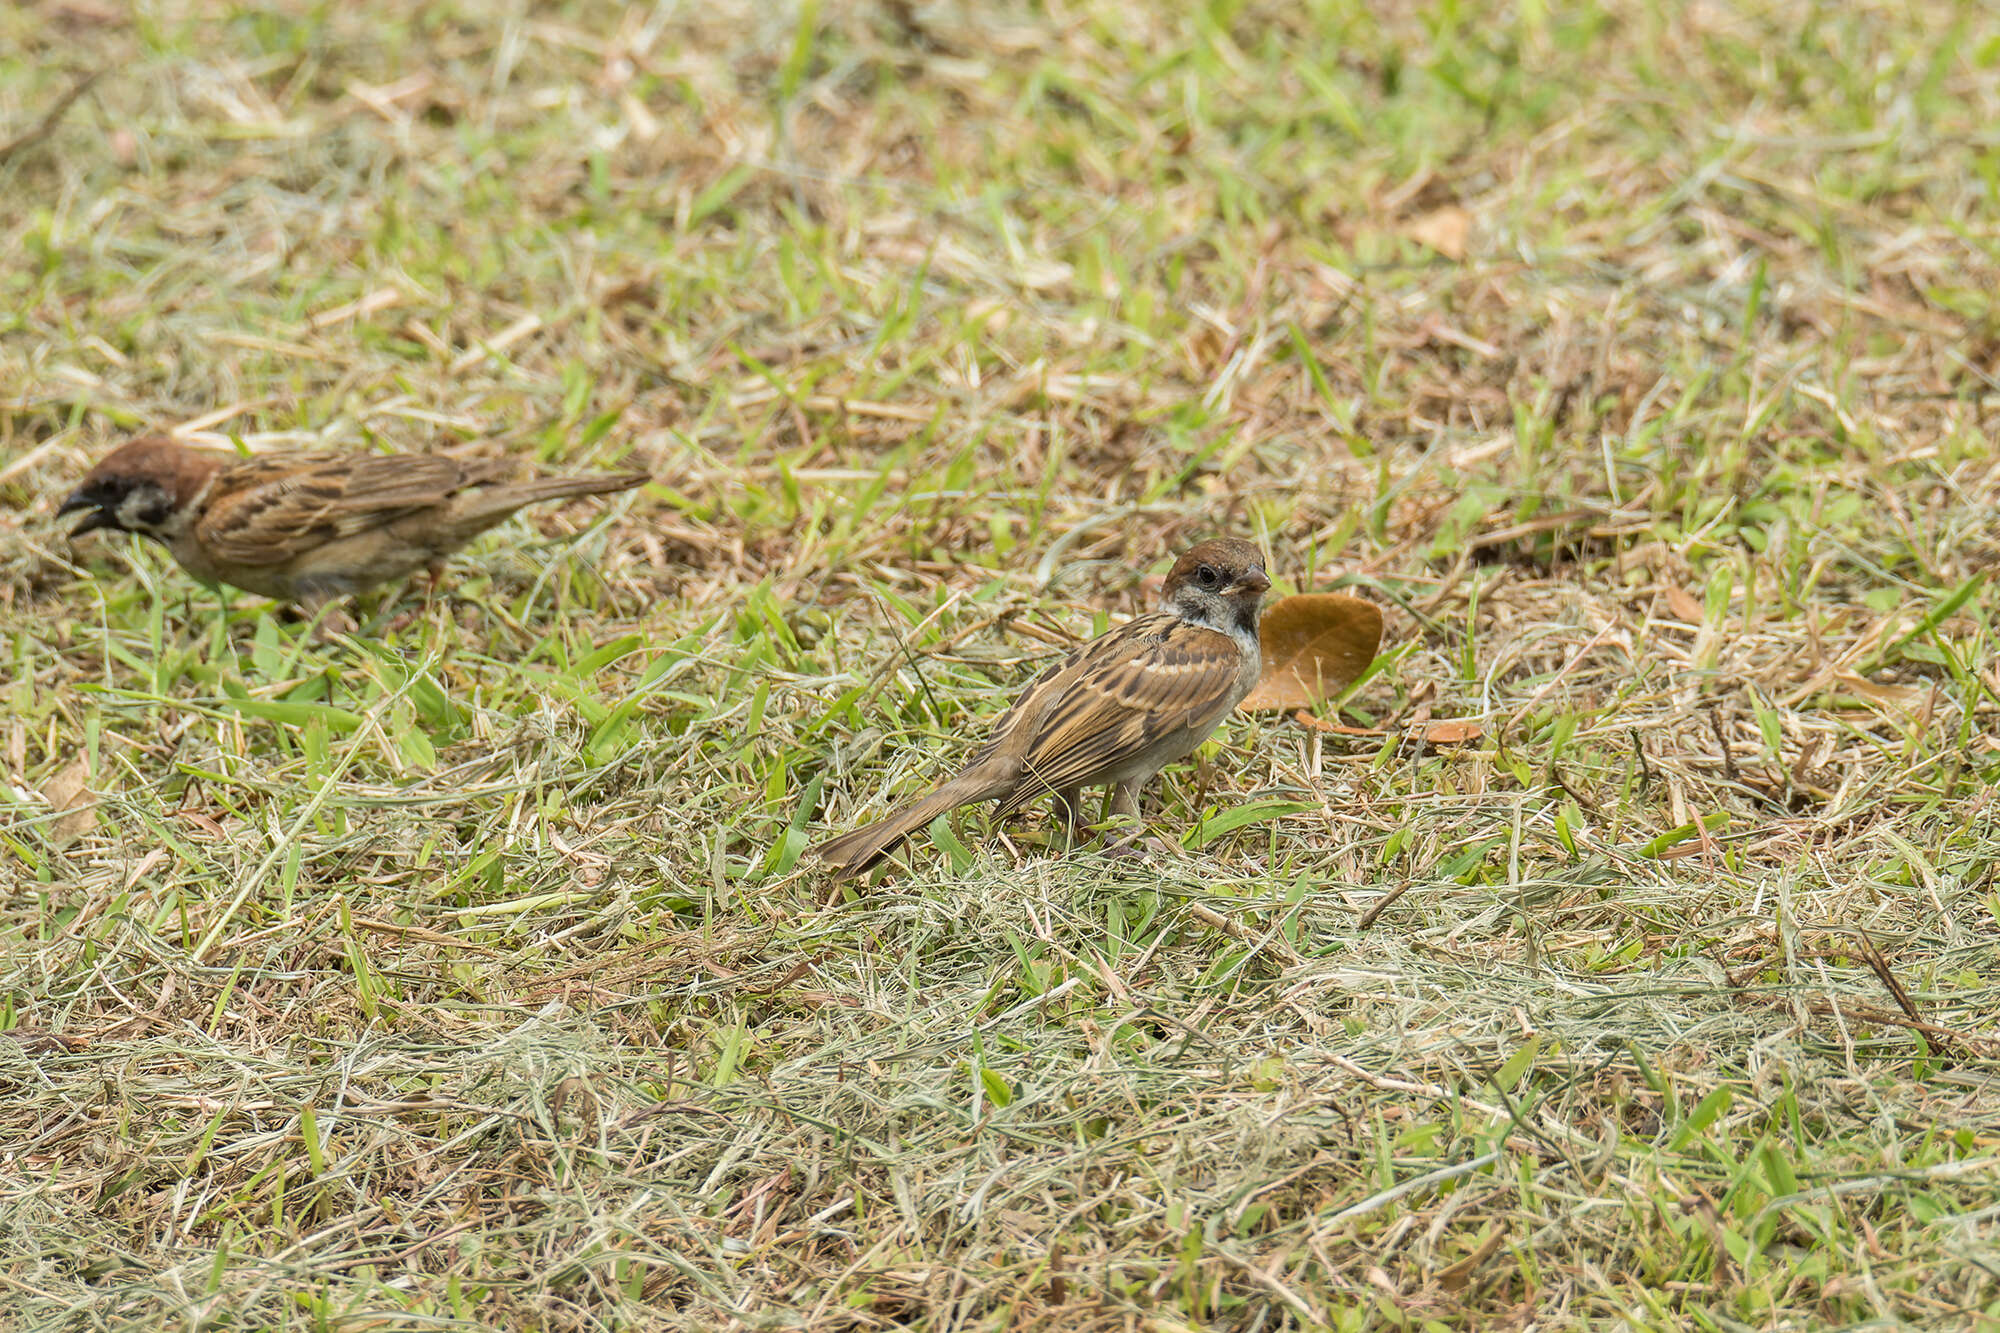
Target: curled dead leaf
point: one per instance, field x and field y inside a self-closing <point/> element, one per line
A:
<point x="1315" y="645"/>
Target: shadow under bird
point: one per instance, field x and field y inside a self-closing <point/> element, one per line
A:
<point x="1116" y="711"/>
<point x="311" y="527"/>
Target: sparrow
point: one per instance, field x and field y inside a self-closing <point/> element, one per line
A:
<point x="310" y="527"/>
<point x="1116" y="711"/>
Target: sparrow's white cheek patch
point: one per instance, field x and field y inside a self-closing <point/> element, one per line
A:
<point x="146" y="507"/>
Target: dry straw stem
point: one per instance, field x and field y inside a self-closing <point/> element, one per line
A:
<point x="1619" y="953"/>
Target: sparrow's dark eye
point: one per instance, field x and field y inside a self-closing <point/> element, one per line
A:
<point x="1206" y="576"/>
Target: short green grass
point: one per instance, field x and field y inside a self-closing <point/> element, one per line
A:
<point x="1639" y="358"/>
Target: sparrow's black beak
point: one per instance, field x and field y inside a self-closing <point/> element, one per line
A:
<point x="1251" y="580"/>
<point x="95" y="519"/>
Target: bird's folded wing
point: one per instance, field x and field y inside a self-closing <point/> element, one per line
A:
<point x="1121" y="696"/>
<point x="272" y="509"/>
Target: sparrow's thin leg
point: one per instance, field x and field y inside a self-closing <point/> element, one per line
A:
<point x="327" y="620"/>
<point x="434" y="573"/>
<point x="1069" y="808"/>
<point x="1125" y="803"/>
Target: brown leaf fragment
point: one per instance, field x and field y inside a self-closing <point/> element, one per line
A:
<point x="1305" y="719"/>
<point x="1453" y="732"/>
<point x="1315" y="645"/>
<point x="1684" y="606"/>
<point x="69" y="796"/>
<point x="1445" y="230"/>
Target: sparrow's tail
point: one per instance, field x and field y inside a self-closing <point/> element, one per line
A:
<point x="496" y="492"/>
<point x="537" y="489"/>
<point x="852" y="853"/>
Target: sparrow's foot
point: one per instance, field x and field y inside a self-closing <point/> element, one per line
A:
<point x="433" y="579"/>
<point x="1138" y="845"/>
<point x="1127" y="834"/>
<point x="330" y="623"/>
<point x="402" y="620"/>
<point x="1069" y="815"/>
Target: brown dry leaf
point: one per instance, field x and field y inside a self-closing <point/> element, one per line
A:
<point x="1445" y="230"/>
<point x="1305" y="719"/>
<point x="1315" y="645"/>
<point x="68" y="794"/>
<point x="1453" y="733"/>
<point x="1682" y="604"/>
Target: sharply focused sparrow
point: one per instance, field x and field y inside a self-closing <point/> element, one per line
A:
<point x="308" y="528"/>
<point x="1115" y="712"/>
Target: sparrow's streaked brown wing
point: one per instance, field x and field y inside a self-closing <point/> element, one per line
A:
<point x="1015" y="729"/>
<point x="1118" y="698"/>
<point x="272" y="509"/>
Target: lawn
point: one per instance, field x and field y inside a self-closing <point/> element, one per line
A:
<point x="1618" y="952"/>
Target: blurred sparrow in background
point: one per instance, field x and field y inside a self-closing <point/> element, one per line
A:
<point x="308" y="528"/>
<point x="1117" y="710"/>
